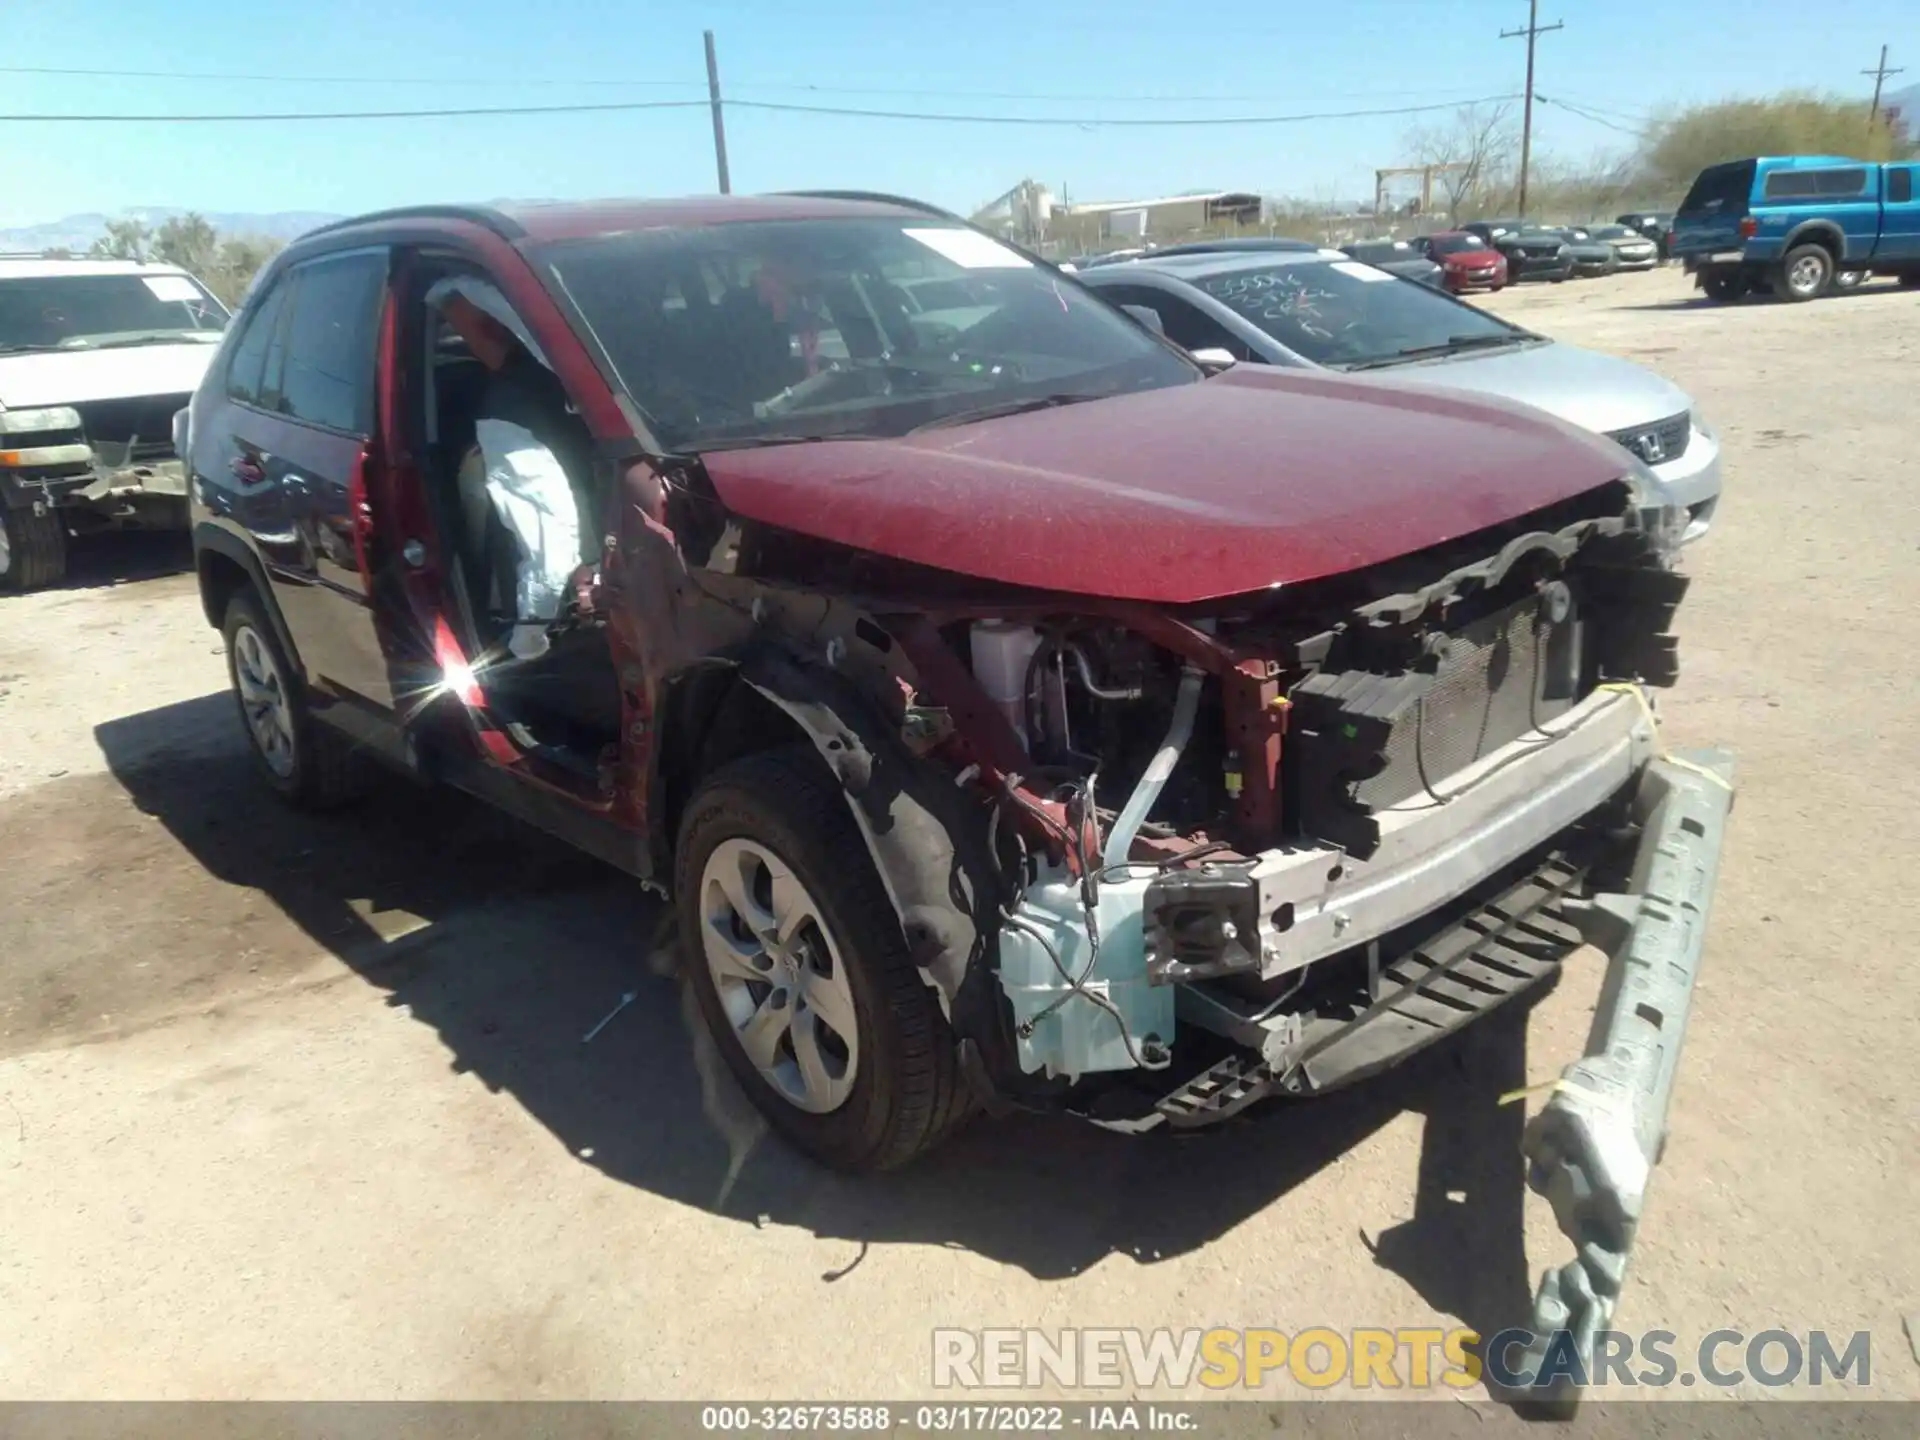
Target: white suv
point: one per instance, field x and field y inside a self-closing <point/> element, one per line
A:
<point x="96" y="356"/>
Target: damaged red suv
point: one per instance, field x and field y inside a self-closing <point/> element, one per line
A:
<point x="1017" y="712"/>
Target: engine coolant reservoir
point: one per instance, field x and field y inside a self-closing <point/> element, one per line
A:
<point x="1001" y="653"/>
<point x="1079" y="1036"/>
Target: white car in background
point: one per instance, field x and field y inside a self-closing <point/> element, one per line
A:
<point x="96" y="356"/>
<point x="1321" y="309"/>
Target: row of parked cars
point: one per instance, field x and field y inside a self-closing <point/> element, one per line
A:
<point x="1482" y="256"/>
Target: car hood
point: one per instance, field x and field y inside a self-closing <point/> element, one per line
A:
<point x="1254" y="478"/>
<point x="1596" y="392"/>
<point x="74" y="377"/>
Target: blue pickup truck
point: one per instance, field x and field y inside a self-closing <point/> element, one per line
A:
<point x="1796" y="224"/>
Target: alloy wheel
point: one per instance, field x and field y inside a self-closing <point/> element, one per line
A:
<point x="779" y="975"/>
<point x="263" y="700"/>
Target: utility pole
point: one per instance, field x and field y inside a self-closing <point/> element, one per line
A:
<point x="1880" y="74"/>
<point x="1533" y="32"/>
<point x="719" y="123"/>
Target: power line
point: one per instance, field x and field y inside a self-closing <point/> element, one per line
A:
<point x="575" y="83"/>
<point x="1637" y="132"/>
<point x="1533" y="32"/>
<point x="603" y="107"/>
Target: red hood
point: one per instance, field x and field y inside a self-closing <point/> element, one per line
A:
<point x="1253" y="478"/>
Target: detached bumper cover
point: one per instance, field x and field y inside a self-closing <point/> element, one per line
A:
<point x="1591" y="1150"/>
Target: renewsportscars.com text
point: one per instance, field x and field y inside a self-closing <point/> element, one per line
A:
<point x="1367" y="1359"/>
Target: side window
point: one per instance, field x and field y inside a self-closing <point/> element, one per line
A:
<point x="250" y="353"/>
<point x="1809" y="184"/>
<point x="326" y="375"/>
<point x="1899" y="184"/>
<point x="1191" y="330"/>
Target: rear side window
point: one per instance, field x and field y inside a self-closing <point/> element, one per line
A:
<point x="250" y="353"/>
<point x="327" y="375"/>
<point x="1899" y="185"/>
<point x="1721" y="189"/>
<point x="1815" y="184"/>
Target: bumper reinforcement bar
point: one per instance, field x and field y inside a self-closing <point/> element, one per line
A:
<point x="1592" y="1148"/>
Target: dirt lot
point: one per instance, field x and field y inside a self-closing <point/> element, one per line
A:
<point x="301" y="1108"/>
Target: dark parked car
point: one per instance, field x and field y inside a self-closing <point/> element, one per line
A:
<point x="1398" y="257"/>
<point x="1531" y="253"/>
<point x="1468" y="262"/>
<point x="886" y="591"/>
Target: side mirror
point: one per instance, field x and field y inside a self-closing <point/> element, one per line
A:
<point x="1214" y="358"/>
<point x="1147" y="316"/>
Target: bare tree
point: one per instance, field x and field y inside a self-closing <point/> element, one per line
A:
<point x="1470" y="153"/>
<point x="187" y="241"/>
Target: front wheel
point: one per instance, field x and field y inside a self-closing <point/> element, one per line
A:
<point x="33" y="548"/>
<point x="1806" y="273"/>
<point x="800" y="969"/>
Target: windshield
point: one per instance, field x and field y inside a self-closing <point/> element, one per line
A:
<point x="1454" y="244"/>
<point x="1344" y="313"/>
<point x="1617" y="232"/>
<point x="1376" y="252"/>
<point x="89" y="312"/>
<point x="772" y="331"/>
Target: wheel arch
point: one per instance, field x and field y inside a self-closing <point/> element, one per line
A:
<point x="1824" y="233"/>
<point x="225" y="565"/>
<point x="925" y="835"/>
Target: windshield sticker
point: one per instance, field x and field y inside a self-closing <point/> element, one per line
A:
<point x="171" y="287"/>
<point x="1359" y="271"/>
<point x="969" y="248"/>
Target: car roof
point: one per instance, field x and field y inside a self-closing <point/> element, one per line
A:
<point x="39" y="267"/>
<point x="1199" y="264"/>
<point x="545" y="221"/>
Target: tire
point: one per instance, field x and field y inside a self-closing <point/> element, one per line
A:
<point x="899" y="1090"/>
<point x="1805" y="274"/>
<point x="1845" y="280"/>
<point x="1724" y="286"/>
<point x="310" y="766"/>
<point x="1910" y="280"/>
<point x="33" y="549"/>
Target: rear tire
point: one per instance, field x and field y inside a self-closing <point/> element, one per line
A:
<point x="1845" y="280"/>
<point x="33" y="548"/>
<point x="1805" y="274"/>
<point x="308" y="764"/>
<point x="767" y="847"/>
<point x="1724" y="287"/>
<point x="1910" y="280"/>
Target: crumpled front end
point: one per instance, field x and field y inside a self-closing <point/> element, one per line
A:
<point x="112" y="460"/>
<point x="1278" y="849"/>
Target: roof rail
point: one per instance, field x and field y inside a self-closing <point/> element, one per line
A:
<point x="878" y="197"/>
<point x="483" y="215"/>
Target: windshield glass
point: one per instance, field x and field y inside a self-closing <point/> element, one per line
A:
<point x="770" y="331"/>
<point x="1454" y="244"/>
<point x="1617" y="232"/>
<point x="87" y="312"/>
<point x="1375" y="252"/>
<point x="1344" y="313"/>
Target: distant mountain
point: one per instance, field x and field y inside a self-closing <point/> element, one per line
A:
<point x="77" y="232"/>
<point x="1907" y="101"/>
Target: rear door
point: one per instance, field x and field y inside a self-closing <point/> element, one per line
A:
<point x="1899" y="213"/>
<point x="302" y="448"/>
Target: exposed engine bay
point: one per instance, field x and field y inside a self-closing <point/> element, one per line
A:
<point x="1183" y="819"/>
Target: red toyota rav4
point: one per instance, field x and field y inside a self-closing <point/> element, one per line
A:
<point x="1017" y="711"/>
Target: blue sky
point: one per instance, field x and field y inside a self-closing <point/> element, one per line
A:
<point x="1621" y="58"/>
